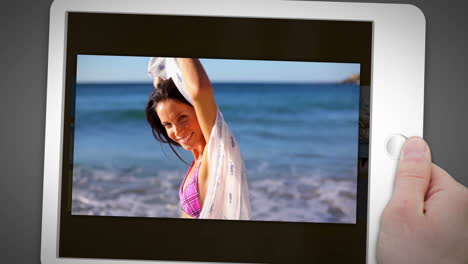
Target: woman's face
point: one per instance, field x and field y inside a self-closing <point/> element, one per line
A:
<point x="181" y="123"/>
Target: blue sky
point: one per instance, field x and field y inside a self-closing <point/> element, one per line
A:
<point x="98" y="68"/>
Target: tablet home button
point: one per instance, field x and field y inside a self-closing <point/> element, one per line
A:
<point x="393" y="145"/>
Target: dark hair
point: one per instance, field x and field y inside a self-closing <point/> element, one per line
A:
<point x="166" y="90"/>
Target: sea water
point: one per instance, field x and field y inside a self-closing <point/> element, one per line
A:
<point x="298" y="140"/>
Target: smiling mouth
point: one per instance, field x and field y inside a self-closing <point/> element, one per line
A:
<point x="185" y="140"/>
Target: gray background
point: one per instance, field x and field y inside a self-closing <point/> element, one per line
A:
<point x="23" y="70"/>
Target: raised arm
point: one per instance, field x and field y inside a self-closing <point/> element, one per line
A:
<point x="201" y="92"/>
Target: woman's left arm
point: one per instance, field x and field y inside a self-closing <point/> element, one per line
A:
<point x="201" y="92"/>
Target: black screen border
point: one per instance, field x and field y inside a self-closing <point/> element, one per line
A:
<point x="105" y="237"/>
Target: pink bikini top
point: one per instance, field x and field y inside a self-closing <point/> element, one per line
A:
<point x="189" y="198"/>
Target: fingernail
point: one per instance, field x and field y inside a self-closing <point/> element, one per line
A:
<point x="415" y="148"/>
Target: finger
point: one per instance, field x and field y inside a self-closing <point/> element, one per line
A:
<point x="442" y="178"/>
<point x="441" y="181"/>
<point x="156" y="81"/>
<point x="413" y="176"/>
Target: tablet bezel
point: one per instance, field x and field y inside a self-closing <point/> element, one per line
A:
<point x="397" y="79"/>
<point x="205" y="37"/>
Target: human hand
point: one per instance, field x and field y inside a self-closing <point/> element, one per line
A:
<point x="156" y="82"/>
<point x="426" y="220"/>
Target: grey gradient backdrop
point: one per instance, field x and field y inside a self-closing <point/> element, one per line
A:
<point x="23" y="70"/>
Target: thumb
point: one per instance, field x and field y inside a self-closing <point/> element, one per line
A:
<point x="412" y="176"/>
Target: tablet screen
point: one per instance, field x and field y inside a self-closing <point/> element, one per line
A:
<point x="297" y="105"/>
<point x="296" y="124"/>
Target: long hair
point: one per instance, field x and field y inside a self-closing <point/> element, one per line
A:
<point x="166" y="90"/>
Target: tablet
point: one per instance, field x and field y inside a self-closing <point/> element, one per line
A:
<point x="274" y="139"/>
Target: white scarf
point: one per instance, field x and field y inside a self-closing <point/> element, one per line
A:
<point x="228" y="195"/>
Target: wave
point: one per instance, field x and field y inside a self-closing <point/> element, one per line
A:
<point x="106" y="192"/>
<point x="311" y="198"/>
<point x="111" y="115"/>
<point x="305" y="199"/>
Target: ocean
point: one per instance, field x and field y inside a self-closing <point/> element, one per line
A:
<point x="299" y="142"/>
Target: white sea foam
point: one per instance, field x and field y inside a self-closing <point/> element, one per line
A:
<point x="121" y="193"/>
<point x="310" y="198"/>
<point x="305" y="199"/>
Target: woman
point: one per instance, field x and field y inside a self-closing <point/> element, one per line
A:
<point x="215" y="184"/>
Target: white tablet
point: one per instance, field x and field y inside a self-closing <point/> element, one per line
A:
<point x="282" y="149"/>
